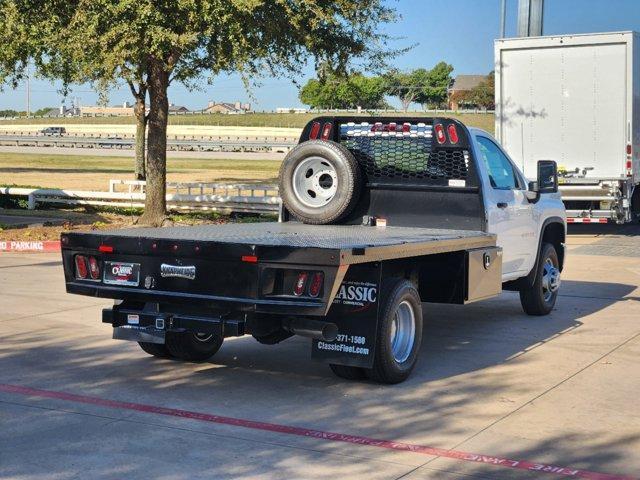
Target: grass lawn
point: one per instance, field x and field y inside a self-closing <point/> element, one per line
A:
<point x="291" y="120"/>
<point x="93" y="172"/>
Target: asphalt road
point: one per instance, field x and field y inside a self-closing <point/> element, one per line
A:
<point x="501" y="388"/>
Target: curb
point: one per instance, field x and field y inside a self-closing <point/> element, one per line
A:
<point x="30" y="246"/>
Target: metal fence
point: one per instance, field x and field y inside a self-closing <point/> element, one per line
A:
<point x="190" y="197"/>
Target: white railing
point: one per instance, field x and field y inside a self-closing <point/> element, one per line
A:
<point x="243" y="198"/>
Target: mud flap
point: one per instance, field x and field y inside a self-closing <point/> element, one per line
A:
<point x="355" y="311"/>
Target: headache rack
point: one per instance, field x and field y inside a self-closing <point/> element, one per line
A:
<point x="427" y="152"/>
<point x="418" y="171"/>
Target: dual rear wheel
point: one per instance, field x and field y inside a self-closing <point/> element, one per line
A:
<point x="399" y="336"/>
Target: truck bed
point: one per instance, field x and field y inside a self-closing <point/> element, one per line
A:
<point x="356" y="244"/>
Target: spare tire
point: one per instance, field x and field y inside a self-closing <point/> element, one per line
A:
<point x="320" y="182"/>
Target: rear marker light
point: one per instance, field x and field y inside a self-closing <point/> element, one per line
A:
<point x="250" y="258"/>
<point x="81" y="266"/>
<point x="94" y="268"/>
<point x="315" y="130"/>
<point x="453" y="133"/>
<point x="316" y="284"/>
<point x="629" y="151"/>
<point x="326" y="131"/>
<point x="440" y="136"/>
<point x="105" y="249"/>
<point x="301" y="282"/>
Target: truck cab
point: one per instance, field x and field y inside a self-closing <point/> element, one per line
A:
<point x="517" y="213"/>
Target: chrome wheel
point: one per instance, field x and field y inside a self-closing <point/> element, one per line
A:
<point x="550" y="280"/>
<point x="315" y="182"/>
<point x="403" y="332"/>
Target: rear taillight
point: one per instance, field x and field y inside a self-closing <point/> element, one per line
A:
<point x="81" y="266"/>
<point x="629" y="151"/>
<point x="301" y="283"/>
<point x="94" y="268"/>
<point x="317" y="279"/>
<point x="440" y="136"/>
<point x="453" y="133"/>
<point x="315" y="130"/>
<point x="326" y="131"/>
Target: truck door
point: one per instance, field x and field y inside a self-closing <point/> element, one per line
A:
<point x="510" y="214"/>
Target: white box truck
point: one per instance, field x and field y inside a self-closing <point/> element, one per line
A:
<point x="575" y="99"/>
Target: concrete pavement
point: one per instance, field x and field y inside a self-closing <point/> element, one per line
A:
<point x="559" y="390"/>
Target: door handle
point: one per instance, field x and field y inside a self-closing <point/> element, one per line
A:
<point x="502" y="204"/>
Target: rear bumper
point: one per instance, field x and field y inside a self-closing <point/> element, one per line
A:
<point x="149" y="326"/>
<point x="240" y="304"/>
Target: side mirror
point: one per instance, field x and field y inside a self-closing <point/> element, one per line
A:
<point x="547" y="176"/>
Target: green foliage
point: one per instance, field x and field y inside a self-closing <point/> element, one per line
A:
<point x="434" y="92"/>
<point x="407" y="86"/>
<point x="11" y="113"/>
<point x="42" y="111"/>
<point x="344" y="92"/>
<point x="427" y="87"/>
<point x="483" y="95"/>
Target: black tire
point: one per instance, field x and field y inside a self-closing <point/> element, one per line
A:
<point x="348" y="373"/>
<point x="540" y="298"/>
<point x="155" y="349"/>
<point x="386" y="367"/>
<point x="193" y="347"/>
<point x="330" y="168"/>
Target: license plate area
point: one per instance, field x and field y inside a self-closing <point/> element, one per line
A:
<point x="122" y="273"/>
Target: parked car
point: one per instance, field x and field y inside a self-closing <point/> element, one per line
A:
<point x="53" y="131"/>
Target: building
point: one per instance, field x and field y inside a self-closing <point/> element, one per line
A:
<point x="177" y="108"/>
<point x="228" y="108"/>
<point x="459" y="87"/>
<point x="126" y="109"/>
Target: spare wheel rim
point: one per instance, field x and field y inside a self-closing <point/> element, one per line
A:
<point x="315" y="182"/>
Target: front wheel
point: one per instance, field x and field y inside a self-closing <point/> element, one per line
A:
<point x="399" y="332"/>
<point x="193" y="347"/>
<point x="540" y="298"/>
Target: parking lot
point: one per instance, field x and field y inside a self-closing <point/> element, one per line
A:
<point x="496" y="394"/>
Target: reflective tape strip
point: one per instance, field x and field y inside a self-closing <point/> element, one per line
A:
<point x="586" y="220"/>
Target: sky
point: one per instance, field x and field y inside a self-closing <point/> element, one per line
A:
<point x="460" y="32"/>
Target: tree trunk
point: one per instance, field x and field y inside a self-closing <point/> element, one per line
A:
<point x="141" y="134"/>
<point x="155" y="204"/>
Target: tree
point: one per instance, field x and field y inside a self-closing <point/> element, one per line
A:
<point x="483" y="94"/>
<point x="434" y="92"/>
<point x="153" y="44"/>
<point x="352" y="91"/>
<point x="407" y="86"/>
